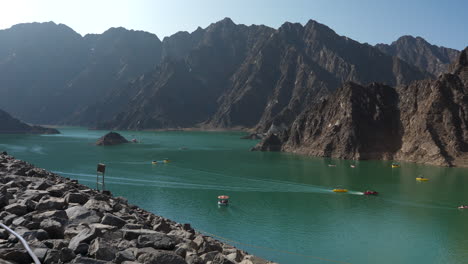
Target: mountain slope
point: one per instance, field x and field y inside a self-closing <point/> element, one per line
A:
<point x="239" y="76"/>
<point x="419" y="52"/>
<point x="10" y="125"/>
<point x="425" y="121"/>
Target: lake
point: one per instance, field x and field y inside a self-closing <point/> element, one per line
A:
<point x="282" y="207"/>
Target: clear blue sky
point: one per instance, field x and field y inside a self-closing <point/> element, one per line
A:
<point x="374" y="21"/>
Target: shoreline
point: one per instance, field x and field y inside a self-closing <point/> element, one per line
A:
<point x="65" y="221"/>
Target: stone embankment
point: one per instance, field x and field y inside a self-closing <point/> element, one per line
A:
<point x="66" y="222"/>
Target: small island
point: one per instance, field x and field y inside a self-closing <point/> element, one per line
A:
<point x="111" y="138"/>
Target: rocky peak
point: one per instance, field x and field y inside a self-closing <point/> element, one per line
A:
<point x="11" y="125"/>
<point x="417" y="51"/>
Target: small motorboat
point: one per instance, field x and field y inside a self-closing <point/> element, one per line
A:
<point x="369" y="192"/>
<point x="342" y="190"/>
<point x="421" y="178"/>
<point x="166" y="160"/>
<point x="134" y="140"/>
<point x="223" y="200"/>
<point x="395" y="165"/>
<point x="463" y="207"/>
<point x="154" y="162"/>
<point x="353" y="166"/>
<point x="331" y="165"/>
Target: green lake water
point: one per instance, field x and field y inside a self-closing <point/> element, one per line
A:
<point x="282" y="207"/>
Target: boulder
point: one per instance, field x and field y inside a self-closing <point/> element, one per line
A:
<point x="156" y="240"/>
<point x="80" y="214"/>
<point x="84" y="260"/>
<point x="110" y="219"/>
<point x="16" y="208"/>
<point x="84" y="236"/>
<point x="102" y="250"/>
<point x="161" y="256"/>
<point x="125" y="255"/>
<point x="54" y="227"/>
<point x="50" y="203"/>
<point x="79" y="198"/>
<point x="111" y="138"/>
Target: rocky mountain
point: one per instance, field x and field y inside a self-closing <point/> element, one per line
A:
<point x="425" y="121"/>
<point x="51" y="74"/>
<point x="10" y="125"/>
<point x="253" y="76"/>
<point x="222" y="76"/>
<point x="417" y="51"/>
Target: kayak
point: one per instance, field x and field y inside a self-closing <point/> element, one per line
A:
<point x="421" y="179"/>
<point x="370" y="193"/>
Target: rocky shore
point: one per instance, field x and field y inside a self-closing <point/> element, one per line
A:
<point x="66" y="222"/>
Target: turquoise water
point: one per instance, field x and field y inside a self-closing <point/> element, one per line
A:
<point x="282" y="206"/>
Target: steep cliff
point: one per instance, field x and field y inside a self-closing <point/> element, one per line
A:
<point x="425" y="121"/>
<point x="417" y="51"/>
<point x="255" y="76"/>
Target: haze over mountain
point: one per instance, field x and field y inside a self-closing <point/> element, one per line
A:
<point x="222" y="76"/>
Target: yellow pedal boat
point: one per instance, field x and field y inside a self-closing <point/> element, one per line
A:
<point x="421" y="179"/>
<point x="154" y="162"/>
<point x="395" y="166"/>
<point x="340" y="190"/>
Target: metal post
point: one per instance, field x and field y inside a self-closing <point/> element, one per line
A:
<point x="101" y="170"/>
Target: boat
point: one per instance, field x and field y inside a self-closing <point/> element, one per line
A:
<point x="331" y="165"/>
<point x="421" y="179"/>
<point x="340" y="190"/>
<point x="166" y="160"/>
<point x="463" y="207"/>
<point x="353" y="166"/>
<point x="369" y="192"/>
<point x="223" y="200"/>
<point x="154" y="162"/>
<point x="395" y="165"/>
<point x="134" y="140"/>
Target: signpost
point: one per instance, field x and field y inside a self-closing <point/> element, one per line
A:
<point x="100" y="171"/>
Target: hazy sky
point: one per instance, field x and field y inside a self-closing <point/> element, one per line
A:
<point x="374" y="21"/>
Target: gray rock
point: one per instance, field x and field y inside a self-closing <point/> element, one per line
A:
<point x="80" y="214"/>
<point x="102" y="206"/>
<point x="84" y="236"/>
<point x="110" y="219"/>
<point x="66" y="254"/>
<point x="58" y="190"/>
<point x="161" y="256"/>
<point x="17" y="255"/>
<point x="162" y="226"/>
<point x="84" y="260"/>
<point x="131" y="234"/>
<point x="156" y="240"/>
<point x="52" y="257"/>
<point x="102" y="250"/>
<point x="17" y="209"/>
<point x="50" y="203"/>
<point x="40" y="253"/>
<point x="126" y="255"/>
<point x="193" y="259"/>
<point x="221" y="259"/>
<point x="79" y="198"/>
<point x="39" y="217"/>
<point x="54" y="227"/>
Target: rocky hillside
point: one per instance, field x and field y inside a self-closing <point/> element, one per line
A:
<point x="417" y="51"/>
<point x="223" y="76"/>
<point x="66" y="222"/>
<point x="50" y="74"/>
<point x="10" y="125"/>
<point x="425" y="121"/>
<point x="253" y="76"/>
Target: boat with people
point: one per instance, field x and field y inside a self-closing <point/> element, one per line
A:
<point x="463" y="207"/>
<point x="223" y="200"/>
<point x="166" y="160"/>
<point x="421" y="178"/>
<point x="154" y="162"/>
<point x="352" y="166"/>
<point x="395" y="165"/>
<point x="331" y="165"/>
<point x="370" y="192"/>
<point x="134" y="140"/>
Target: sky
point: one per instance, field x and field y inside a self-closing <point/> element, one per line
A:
<point x="443" y="23"/>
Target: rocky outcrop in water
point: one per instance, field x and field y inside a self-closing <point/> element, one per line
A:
<point x="417" y="51"/>
<point x="66" y="222"/>
<point x="425" y="121"/>
<point x="111" y="138"/>
<point x="10" y="125"/>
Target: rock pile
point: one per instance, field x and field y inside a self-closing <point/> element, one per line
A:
<point x="66" y="222"/>
<point x="111" y="138"/>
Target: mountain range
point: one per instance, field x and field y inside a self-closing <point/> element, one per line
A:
<point x="225" y="75"/>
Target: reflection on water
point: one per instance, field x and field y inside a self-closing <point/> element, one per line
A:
<point x="282" y="206"/>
